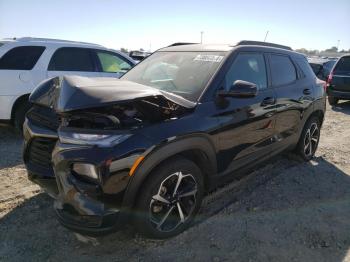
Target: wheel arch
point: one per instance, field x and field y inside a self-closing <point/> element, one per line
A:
<point x="317" y="113"/>
<point x="198" y="149"/>
<point x="20" y="100"/>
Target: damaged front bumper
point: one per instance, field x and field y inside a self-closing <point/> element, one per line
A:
<point x="87" y="205"/>
<point x="92" y="205"/>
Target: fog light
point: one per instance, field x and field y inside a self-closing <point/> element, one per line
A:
<point x="84" y="169"/>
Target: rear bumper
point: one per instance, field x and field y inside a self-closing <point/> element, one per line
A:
<point x="338" y="94"/>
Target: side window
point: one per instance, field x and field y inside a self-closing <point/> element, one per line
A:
<point x="72" y="59"/>
<point x="248" y="67"/>
<point x="308" y="70"/>
<point x="282" y="70"/>
<point x="112" y="63"/>
<point x="21" y="58"/>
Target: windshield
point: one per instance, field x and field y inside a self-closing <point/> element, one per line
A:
<point x="183" y="73"/>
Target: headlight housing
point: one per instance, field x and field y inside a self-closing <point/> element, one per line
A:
<point x="85" y="169"/>
<point x="102" y="140"/>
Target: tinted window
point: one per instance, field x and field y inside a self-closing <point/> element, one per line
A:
<point x="248" y="67"/>
<point x="329" y="65"/>
<point x="282" y="69"/>
<point x="21" y="58"/>
<point x="72" y="59"/>
<point x="343" y="65"/>
<point x="112" y="63"/>
<point x="308" y="69"/>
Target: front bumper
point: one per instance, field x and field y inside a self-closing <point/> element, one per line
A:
<point x="39" y="172"/>
<point x="84" y="205"/>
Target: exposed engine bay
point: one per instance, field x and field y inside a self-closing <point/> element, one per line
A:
<point x="128" y="115"/>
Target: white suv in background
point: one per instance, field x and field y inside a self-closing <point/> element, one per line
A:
<point x="25" y="62"/>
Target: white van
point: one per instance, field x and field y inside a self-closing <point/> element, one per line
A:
<point x="25" y="62"/>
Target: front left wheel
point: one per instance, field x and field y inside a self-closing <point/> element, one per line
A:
<point x="170" y="199"/>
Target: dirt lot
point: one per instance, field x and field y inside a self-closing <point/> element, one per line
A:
<point x="286" y="210"/>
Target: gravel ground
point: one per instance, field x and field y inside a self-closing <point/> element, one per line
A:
<point x="286" y="210"/>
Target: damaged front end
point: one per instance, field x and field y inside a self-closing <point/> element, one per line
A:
<point x="95" y="143"/>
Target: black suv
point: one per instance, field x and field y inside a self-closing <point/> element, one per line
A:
<point x="146" y="148"/>
<point x="338" y="83"/>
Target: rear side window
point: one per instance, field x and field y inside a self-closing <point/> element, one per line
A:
<point x="112" y="63"/>
<point x="72" y="59"/>
<point x="343" y="65"/>
<point x="308" y="70"/>
<point x="248" y="67"/>
<point x="21" y="58"/>
<point x="282" y="70"/>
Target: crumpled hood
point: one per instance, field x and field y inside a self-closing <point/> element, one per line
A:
<point x="68" y="93"/>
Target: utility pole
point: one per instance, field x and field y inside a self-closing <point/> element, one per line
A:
<point x="338" y="45"/>
<point x="267" y="32"/>
<point x="202" y="37"/>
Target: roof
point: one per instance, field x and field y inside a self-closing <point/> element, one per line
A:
<point x="222" y="48"/>
<point x="47" y="40"/>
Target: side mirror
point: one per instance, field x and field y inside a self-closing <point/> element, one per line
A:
<point x="240" y="89"/>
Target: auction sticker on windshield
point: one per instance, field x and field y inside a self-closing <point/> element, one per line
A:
<point x="209" y="58"/>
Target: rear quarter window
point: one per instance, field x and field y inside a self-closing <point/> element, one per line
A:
<point x="308" y="70"/>
<point x="21" y="58"/>
<point x="343" y="65"/>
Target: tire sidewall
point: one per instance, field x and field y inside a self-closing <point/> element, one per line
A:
<point x="19" y="116"/>
<point x="151" y="187"/>
<point x="302" y="138"/>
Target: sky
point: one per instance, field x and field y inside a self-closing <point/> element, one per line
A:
<point x="154" y="24"/>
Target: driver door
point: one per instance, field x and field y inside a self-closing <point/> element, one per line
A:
<point x="247" y="125"/>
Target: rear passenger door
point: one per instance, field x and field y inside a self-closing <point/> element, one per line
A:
<point x="293" y="97"/>
<point x="21" y="70"/>
<point x="73" y="61"/>
<point x="112" y="64"/>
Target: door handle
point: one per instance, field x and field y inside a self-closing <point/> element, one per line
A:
<point x="268" y="101"/>
<point x="307" y="91"/>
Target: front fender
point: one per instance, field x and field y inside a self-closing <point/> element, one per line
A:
<point x="159" y="153"/>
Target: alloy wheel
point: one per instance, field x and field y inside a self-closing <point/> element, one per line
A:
<point x="311" y="139"/>
<point x="174" y="202"/>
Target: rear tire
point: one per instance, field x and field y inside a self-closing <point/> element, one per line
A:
<point x="19" y="116"/>
<point x="309" y="139"/>
<point x="170" y="198"/>
<point x="332" y="100"/>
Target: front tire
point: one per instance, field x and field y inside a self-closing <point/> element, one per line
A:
<point x="332" y="100"/>
<point x="309" y="139"/>
<point x="19" y="116"/>
<point x="169" y="199"/>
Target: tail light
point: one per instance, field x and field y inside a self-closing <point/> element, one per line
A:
<point x="329" y="79"/>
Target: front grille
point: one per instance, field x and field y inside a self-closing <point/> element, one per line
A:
<point x="40" y="150"/>
<point x="44" y="116"/>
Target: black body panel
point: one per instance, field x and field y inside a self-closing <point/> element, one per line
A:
<point x="222" y="135"/>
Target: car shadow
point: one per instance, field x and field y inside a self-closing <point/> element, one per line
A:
<point x="286" y="210"/>
<point x="10" y="147"/>
<point x="342" y="107"/>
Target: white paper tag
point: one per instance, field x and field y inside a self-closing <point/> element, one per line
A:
<point x="209" y="58"/>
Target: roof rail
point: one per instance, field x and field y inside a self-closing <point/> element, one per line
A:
<point x="181" y="43"/>
<point x="247" y="42"/>
<point x="27" y="39"/>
